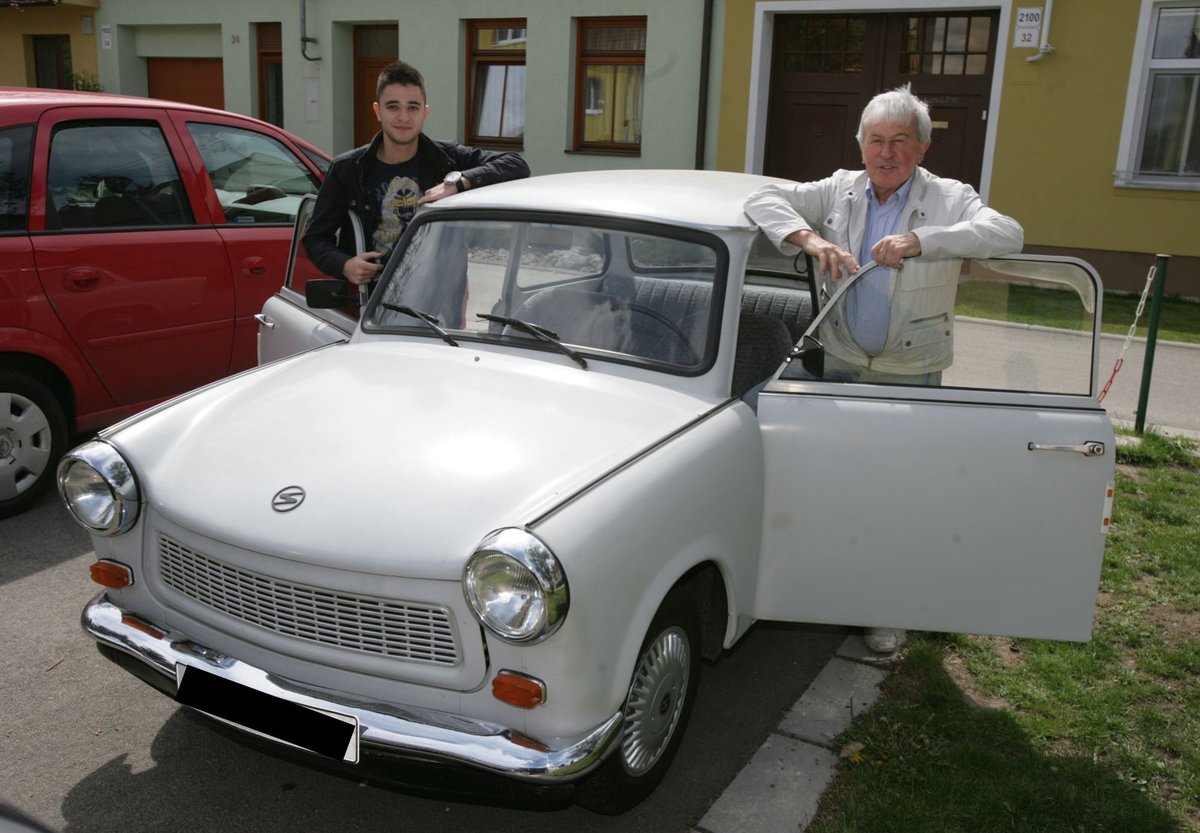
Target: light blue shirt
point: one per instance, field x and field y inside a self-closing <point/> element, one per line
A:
<point x="868" y="305"/>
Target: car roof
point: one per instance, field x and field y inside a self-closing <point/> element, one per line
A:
<point x="699" y="199"/>
<point x="37" y="99"/>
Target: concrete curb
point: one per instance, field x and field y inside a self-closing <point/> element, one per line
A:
<point x="781" y="786"/>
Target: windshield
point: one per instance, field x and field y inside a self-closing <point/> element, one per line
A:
<point x="623" y="292"/>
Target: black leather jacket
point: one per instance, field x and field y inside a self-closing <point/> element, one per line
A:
<point x="345" y="190"/>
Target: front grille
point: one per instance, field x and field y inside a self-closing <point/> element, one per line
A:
<point x="402" y="630"/>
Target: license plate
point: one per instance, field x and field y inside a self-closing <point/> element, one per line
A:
<point x="323" y="732"/>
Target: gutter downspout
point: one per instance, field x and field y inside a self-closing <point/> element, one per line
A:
<point x="305" y="40"/>
<point x="1045" y="48"/>
<point x="705" y="61"/>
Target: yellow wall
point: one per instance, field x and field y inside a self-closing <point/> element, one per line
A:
<point x="1056" y="148"/>
<point x="1057" y="138"/>
<point x="16" y="64"/>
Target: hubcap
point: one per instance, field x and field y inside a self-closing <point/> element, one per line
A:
<point x="24" y="444"/>
<point x="656" y="699"/>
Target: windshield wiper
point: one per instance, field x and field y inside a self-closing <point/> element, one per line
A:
<point x="540" y="333"/>
<point x="428" y="319"/>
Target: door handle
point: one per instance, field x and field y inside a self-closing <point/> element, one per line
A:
<point x="1091" y="448"/>
<point x="267" y="323"/>
<point x="252" y="267"/>
<point x="81" y="279"/>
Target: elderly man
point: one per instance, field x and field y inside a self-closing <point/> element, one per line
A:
<point x="895" y="325"/>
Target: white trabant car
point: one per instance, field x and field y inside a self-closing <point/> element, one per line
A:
<point x="578" y="440"/>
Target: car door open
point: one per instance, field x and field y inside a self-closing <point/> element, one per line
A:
<point x="977" y="505"/>
<point x="286" y="325"/>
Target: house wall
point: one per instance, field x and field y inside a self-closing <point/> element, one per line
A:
<point x="1054" y="146"/>
<point x="18" y="25"/>
<point x="318" y="95"/>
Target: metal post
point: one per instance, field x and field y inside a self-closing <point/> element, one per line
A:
<point x="1160" y="278"/>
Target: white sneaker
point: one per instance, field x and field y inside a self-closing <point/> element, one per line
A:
<point x="883" y="640"/>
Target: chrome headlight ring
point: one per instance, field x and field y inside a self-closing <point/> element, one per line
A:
<point x="516" y="586"/>
<point x="99" y="489"/>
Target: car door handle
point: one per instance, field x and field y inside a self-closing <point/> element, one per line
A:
<point x="252" y="267"/>
<point x="1087" y="449"/>
<point x="261" y="318"/>
<point x="81" y="279"/>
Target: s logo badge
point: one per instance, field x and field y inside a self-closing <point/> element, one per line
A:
<point x="287" y="499"/>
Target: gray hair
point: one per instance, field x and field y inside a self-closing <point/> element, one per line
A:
<point x="898" y="106"/>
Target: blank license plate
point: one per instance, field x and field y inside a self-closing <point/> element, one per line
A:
<point x="325" y="733"/>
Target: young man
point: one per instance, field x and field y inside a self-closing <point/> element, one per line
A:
<point x="383" y="182"/>
<point x="895" y="326"/>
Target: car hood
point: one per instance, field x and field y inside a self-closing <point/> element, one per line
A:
<point x="409" y="453"/>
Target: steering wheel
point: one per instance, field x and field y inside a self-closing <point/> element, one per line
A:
<point x="671" y="327"/>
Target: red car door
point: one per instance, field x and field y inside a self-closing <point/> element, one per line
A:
<point x="127" y="253"/>
<point x="256" y="179"/>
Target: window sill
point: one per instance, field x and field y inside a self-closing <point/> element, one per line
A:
<point x="602" y="152"/>
<point x="1156" y="184"/>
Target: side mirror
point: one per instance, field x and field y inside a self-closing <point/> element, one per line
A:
<point x="812" y="356"/>
<point x="331" y="293"/>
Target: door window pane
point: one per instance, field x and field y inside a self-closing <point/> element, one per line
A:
<point x="257" y="179"/>
<point x="113" y="174"/>
<point x="945" y="45"/>
<point x="14" y="177"/>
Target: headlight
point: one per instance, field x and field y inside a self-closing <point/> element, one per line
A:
<point x="99" y="488"/>
<point x="516" y="587"/>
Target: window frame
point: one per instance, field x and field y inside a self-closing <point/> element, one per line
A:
<point x="583" y="93"/>
<point x="1143" y="69"/>
<point x="269" y="45"/>
<point x="476" y="58"/>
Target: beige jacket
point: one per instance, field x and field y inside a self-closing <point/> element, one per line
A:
<point x="949" y="219"/>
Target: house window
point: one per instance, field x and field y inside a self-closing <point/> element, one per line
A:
<point x="496" y="82"/>
<point x="1160" y="143"/>
<point x="270" y="72"/>
<point x="610" y="81"/>
<point x="52" y="62"/>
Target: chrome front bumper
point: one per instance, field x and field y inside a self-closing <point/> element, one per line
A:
<point x="385" y="732"/>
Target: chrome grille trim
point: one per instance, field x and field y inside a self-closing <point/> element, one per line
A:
<point x="385" y="627"/>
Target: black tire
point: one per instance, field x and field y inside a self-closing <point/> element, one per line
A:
<point x="657" y="710"/>
<point x="33" y="436"/>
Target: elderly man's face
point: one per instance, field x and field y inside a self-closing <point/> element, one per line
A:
<point x="890" y="153"/>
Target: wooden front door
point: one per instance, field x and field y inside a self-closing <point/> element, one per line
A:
<point x="374" y="48"/>
<point x="825" y="68"/>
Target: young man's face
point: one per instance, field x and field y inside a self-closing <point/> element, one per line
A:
<point x="401" y="110"/>
<point x="890" y="153"/>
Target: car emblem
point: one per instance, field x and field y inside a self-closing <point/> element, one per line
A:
<point x="287" y="499"/>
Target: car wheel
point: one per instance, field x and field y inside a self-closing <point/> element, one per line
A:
<point x="657" y="709"/>
<point x="33" y="435"/>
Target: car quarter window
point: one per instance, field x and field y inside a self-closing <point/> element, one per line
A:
<point x="105" y="174"/>
<point x="14" y="177"/>
<point x="1018" y="324"/>
<point x="257" y="178"/>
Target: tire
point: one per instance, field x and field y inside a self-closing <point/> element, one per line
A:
<point x="657" y="709"/>
<point x="33" y="436"/>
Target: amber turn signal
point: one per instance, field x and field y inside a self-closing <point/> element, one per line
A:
<point x="518" y="690"/>
<point x="112" y="574"/>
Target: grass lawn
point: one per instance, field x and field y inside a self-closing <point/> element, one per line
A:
<point x="984" y="733"/>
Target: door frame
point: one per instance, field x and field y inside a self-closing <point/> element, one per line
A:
<point x="760" y="64"/>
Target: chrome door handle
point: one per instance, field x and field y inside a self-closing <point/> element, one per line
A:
<point x="261" y="318"/>
<point x="1088" y="449"/>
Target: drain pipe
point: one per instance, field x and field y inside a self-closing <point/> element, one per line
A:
<point x="1045" y="48"/>
<point x="705" y="64"/>
<point x="305" y="40"/>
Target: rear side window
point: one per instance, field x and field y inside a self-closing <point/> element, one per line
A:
<point x="257" y="178"/>
<point x="113" y="174"/>
<point x="14" y="177"/>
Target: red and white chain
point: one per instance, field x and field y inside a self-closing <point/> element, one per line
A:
<point x="1129" y="336"/>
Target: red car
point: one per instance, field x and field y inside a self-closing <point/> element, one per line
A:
<point x="138" y="239"/>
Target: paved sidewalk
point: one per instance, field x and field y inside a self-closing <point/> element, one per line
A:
<point x="779" y="789"/>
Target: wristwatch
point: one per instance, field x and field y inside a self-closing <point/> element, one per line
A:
<point x="454" y="178"/>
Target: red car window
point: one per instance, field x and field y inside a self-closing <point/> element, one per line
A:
<point x="14" y="177"/>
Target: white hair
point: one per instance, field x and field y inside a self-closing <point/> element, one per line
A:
<point x="898" y="106"/>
